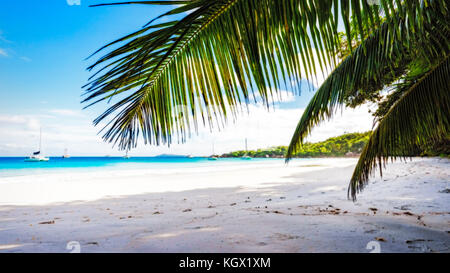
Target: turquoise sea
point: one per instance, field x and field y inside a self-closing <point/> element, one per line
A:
<point x="16" y="166"/>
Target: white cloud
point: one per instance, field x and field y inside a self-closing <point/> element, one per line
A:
<point x="3" y="39"/>
<point x="278" y="96"/>
<point x="67" y="112"/>
<point x="73" y="2"/>
<point x="19" y="121"/>
<point x="265" y="129"/>
<point x="25" y="59"/>
<point x="19" y="134"/>
<point x="347" y="121"/>
<point x="3" y="52"/>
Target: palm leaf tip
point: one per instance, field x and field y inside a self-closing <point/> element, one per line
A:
<point x="421" y="115"/>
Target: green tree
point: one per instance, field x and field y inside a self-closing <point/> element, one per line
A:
<point x="332" y="147"/>
<point x="221" y="54"/>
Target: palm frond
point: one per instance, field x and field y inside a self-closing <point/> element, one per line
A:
<point x="221" y="53"/>
<point x="371" y="61"/>
<point x="421" y="115"/>
<point x="380" y="59"/>
<point x="212" y="61"/>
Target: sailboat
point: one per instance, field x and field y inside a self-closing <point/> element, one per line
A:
<point x="36" y="156"/>
<point x="65" y="155"/>
<point x="246" y="157"/>
<point x="126" y="156"/>
<point x="212" y="157"/>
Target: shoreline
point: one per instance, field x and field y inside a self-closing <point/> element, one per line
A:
<point x="111" y="181"/>
<point x="270" y="209"/>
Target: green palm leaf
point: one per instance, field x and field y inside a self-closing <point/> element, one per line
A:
<point x="370" y="62"/>
<point x="216" y="58"/>
<point x="380" y="59"/>
<point x="420" y="115"/>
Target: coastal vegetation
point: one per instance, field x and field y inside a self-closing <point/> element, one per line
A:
<point x="345" y="145"/>
<point x="203" y="61"/>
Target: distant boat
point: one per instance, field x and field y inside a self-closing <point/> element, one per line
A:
<point x="65" y="155"/>
<point x="189" y="156"/>
<point x="36" y="156"/>
<point x="246" y="157"/>
<point x="126" y="156"/>
<point x="170" y="156"/>
<point x="213" y="157"/>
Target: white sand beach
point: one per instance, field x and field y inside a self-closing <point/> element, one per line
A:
<point x="263" y="207"/>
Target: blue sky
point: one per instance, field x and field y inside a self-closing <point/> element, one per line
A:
<point x="43" y="46"/>
<point x="47" y="43"/>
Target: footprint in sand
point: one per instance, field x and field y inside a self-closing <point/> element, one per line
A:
<point x="374" y="210"/>
<point x="47" y="223"/>
<point x="371" y="231"/>
<point x="284" y="237"/>
<point x="380" y="239"/>
<point x="197" y="227"/>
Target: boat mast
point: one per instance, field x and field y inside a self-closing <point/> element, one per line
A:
<point x="40" y="138"/>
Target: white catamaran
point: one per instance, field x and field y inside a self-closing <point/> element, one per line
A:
<point x="65" y="155"/>
<point x="36" y="156"/>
